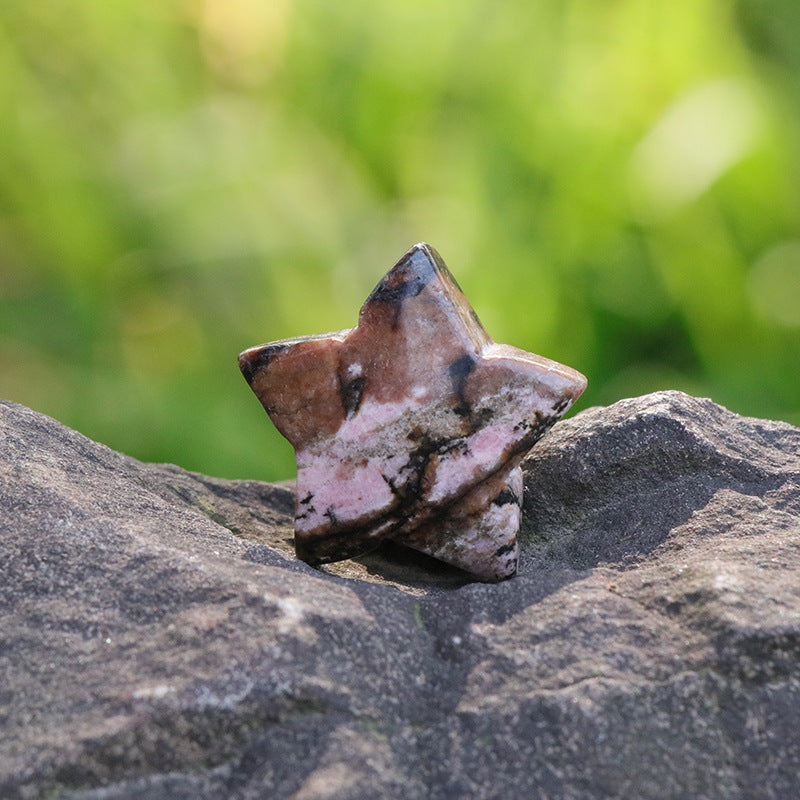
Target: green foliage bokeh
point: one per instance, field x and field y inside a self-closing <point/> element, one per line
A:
<point x="615" y="185"/>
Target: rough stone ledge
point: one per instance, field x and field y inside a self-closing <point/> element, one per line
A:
<point x="158" y="639"/>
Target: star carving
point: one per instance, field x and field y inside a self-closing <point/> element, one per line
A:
<point x="411" y="426"/>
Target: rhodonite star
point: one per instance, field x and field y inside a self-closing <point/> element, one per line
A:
<point x="411" y="426"/>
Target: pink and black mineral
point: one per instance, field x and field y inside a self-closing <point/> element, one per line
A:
<point x="411" y="426"/>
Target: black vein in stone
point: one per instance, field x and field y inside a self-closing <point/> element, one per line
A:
<point x="459" y="371"/>
<point x="508" y="495"/>
<point x="351" y="393"/>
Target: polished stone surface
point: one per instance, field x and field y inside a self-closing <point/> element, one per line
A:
<point x="411" y="426"/>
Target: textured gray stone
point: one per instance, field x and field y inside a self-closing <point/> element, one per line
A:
<point x="158" y="639"/>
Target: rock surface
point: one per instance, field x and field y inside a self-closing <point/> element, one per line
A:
<point x="158" y="639"/>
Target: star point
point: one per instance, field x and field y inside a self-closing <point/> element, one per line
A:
<point x="411" y="425"/>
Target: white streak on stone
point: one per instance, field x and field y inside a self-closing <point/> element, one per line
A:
<point x="371" y="417"/>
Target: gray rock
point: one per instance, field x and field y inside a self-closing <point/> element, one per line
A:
<point x="158" y="639"/>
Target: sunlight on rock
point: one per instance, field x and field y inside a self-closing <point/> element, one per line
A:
<point x="697" y="140"/>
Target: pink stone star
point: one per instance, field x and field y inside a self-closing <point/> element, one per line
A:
<point x="411" y="426"/>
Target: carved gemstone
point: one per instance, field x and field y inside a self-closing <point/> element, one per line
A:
<point x="411" y="425"/>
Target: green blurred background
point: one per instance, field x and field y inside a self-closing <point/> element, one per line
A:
<point x="615" y="185"/>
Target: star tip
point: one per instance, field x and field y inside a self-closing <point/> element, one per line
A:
<point x="426" y="251"/>
<point x="247" y="364"/>
<point x="581" y="382"/>
<point x="430" y="249"/>
<point x="421" y="248"/>
<point x="420" y="253"/>
<point x="255" y="359"/>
